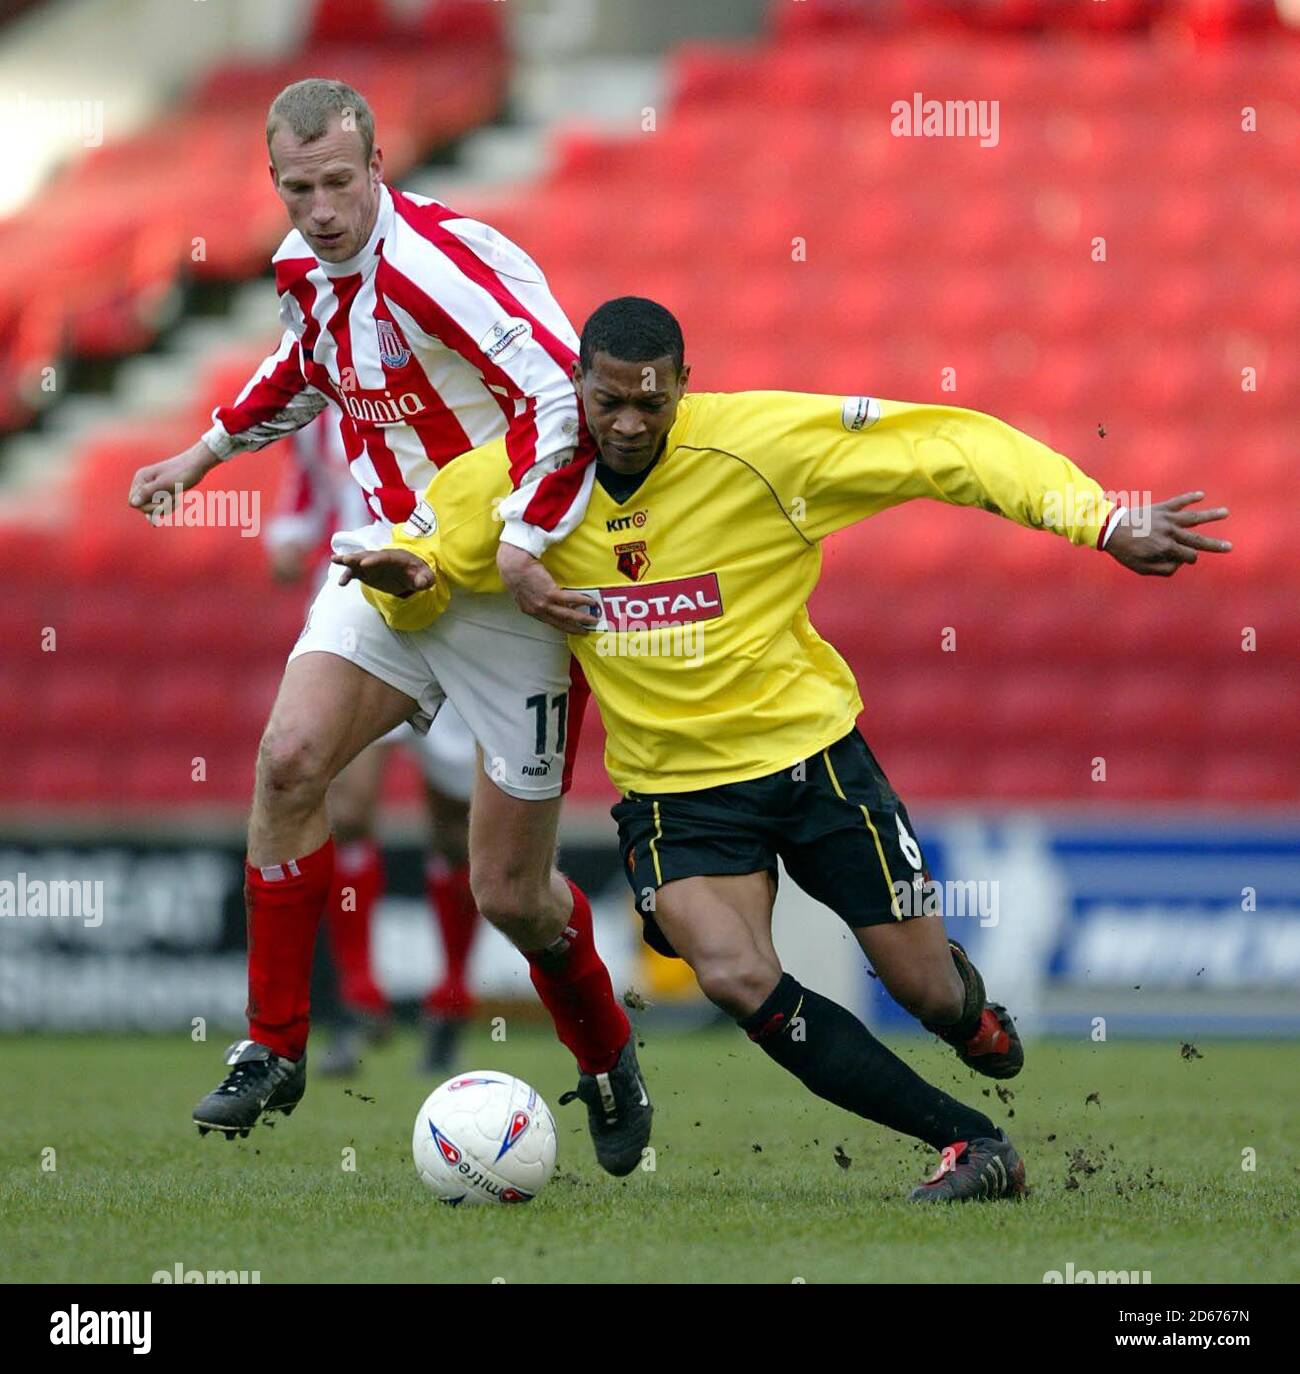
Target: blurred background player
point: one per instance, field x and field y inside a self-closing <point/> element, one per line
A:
<point x="318" y="498"/>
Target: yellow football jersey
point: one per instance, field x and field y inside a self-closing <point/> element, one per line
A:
<point x="706" y="667"/>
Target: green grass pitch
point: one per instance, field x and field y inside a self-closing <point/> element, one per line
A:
<point x="746" y="1184"/>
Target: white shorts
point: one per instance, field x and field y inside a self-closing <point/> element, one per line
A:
<point x="506" y="674"/>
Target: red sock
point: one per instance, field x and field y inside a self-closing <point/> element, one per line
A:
<point x="358" y="883"/>
<point x="573" y="983"/>
<point x="284" y="903"/>
<point x="457" y="917"/>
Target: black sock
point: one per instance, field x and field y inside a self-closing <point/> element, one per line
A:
<point x="835" y="1056"/>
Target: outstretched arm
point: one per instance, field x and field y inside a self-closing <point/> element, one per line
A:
<point x="832" y="461"/>
<point x="276" y="401"/>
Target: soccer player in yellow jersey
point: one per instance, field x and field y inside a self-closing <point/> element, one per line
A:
<point x="730" y="722"/>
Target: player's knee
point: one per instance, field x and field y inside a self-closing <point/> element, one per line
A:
<point x="737" y="985"/>
<point x="518" y="905"/>
<point x="291" y="768"/>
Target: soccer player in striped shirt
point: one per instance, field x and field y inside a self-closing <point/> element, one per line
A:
<point x="731" y="723"/>
<point x="430" y="333"/>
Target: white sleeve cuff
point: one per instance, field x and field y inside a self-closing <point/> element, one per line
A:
<point x="526" y="537"/>
<point x="1112" y="524"/>
<point x="221" y="444"/>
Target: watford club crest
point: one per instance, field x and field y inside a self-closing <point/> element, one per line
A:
<point x="632" y="560"/>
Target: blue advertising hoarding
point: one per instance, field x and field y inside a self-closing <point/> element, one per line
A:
<point x="1155" y="925"/>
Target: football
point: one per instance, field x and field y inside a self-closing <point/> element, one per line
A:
<point x="484" y="1137"/>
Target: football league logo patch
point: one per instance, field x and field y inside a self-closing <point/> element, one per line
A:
<point x="633" y="561"/>
<point x="859" y="412"/>
<point x="393" y="351"/>
<point x="505" y="339"/>
<point x="423" y="520"/>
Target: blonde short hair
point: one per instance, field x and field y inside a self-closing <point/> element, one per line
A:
<point x="307" y="107"/>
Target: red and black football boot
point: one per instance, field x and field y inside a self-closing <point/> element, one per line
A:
<point x="974" y="1171"/>
<point x="994" y="1049"/>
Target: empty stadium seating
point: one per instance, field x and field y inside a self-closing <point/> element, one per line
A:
<point x="920" y="255"/>
<point x="121" y="227"/>
<point x="806" y="247"/>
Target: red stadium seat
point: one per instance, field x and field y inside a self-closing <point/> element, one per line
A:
<point x="354" y="21"/>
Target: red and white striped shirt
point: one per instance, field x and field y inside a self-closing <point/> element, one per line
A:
<point x="438" y="336"/>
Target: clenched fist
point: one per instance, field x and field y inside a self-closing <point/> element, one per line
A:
<point x="183" y="471"/>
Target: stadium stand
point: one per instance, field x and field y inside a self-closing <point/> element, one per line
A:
<point x="112" y="237"/>
<point x="806" y="247"/>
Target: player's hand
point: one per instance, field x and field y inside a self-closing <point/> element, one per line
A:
<point x="154" y="487"/>
<point x="1159" y="539"/>
<point x="394" y="571"/>
<point x="536" y="593"/>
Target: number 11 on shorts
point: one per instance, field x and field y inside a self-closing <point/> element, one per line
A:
<point x="560" y="705"/>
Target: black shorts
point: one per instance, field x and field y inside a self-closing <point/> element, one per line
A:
<point x="834" y="820"/>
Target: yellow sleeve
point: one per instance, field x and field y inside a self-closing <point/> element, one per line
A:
<point x="455" y="529"/>
<point x="419" y="610"/>
<point x="834" y="460"/>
